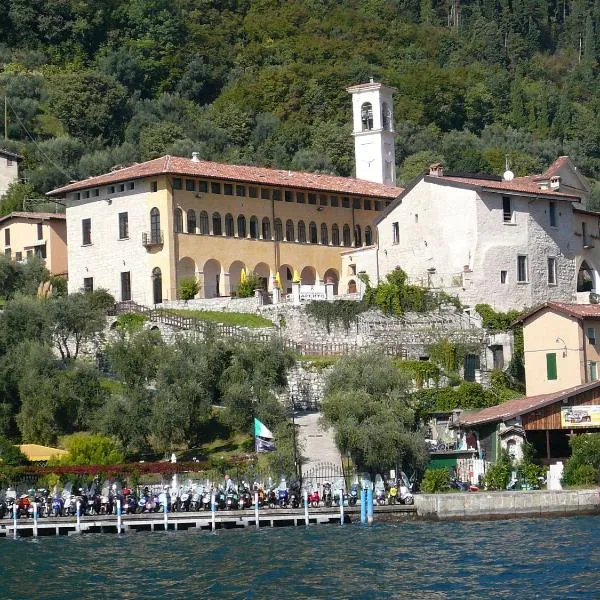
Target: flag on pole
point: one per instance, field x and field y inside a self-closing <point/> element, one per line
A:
<point x="263" y="437"/>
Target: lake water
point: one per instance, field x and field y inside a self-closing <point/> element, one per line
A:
<point x="529" y="558"/>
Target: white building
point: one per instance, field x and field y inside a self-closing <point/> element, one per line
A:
<point x="9" y="169"/>
<point x="511" y="242"/>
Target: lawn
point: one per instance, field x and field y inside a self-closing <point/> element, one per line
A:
<point x="227" y="318"/>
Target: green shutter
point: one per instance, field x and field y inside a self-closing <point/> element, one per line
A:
<point x="551" y="366"/>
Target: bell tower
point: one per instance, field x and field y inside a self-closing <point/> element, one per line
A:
<point x="373" y="131"/>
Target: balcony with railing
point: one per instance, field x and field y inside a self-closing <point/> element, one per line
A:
<point x="151" y="239"/>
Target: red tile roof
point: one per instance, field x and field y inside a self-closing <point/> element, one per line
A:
<point x="35" y="216"/>
<point x="524" y="185"/>
<point x="553" y="169"/>
<point x="176" y="165"/>
<point x="520" y="406"/>
<point x="578" y="311"/>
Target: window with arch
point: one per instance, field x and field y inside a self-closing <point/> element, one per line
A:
<point x="229" y="225"/>
<point x="324" y="234"/>
<point x="346" y="234"/>
<point x="191" y="221"/>
<point x="241" y="226"/>
<point x="278" y="230"/>
<point x="254" y="228"/>
<point x="357" y="236"/>
<point x="204" y="229"/>
<point x="155" y="225"/>
<point x="366" y="116"/>
<point x="266" y="229"/>
<point x="335" y="235"/>
<point x="386" y="116"/>
<point x="216" y="223"/>
<point x="178" y="220"/>
<point x="312" y="233"/>
<point x="368" y="236"/>
<point x="301" y="232"/>
<point x="290" y="236"/>
<point x="156" y="285"/>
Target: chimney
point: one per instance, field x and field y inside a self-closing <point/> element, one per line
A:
<point x="436" y="170"/>
<point x="195" y="156"/>
<point x="555" y="182"/>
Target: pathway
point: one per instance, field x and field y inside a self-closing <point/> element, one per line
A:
<point x="318" y="444"/>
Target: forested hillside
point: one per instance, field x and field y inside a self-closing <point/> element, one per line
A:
<point x="93" y="84"/>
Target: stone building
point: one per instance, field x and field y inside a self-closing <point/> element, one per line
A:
<point x="44" y="235"/>
<point x="138" y="231"/>
<point x="509" y="242"/>
<point x="9" y="169"/>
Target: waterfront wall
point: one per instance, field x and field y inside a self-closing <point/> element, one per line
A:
<point x="506" y="505"/>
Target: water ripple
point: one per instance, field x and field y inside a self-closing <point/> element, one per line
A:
<point x="530" y="558"/>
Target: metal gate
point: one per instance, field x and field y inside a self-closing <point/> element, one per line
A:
<point x="322" y="472"/>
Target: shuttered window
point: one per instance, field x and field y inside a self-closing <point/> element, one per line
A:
<point x="551" y="366"/>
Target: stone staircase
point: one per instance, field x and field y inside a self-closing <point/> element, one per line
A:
<point x="319" y="445"/>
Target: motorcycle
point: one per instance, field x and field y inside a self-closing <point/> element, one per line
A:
<point x="283" y="498"/>
<point x="57" y="505"/>
<point x="314" y="499"/>
<point x="393" y="494"/>
<point x="231" y="502"/>
<point x="206" y="499"/>
<point x="23" y="505"/>
<point x="130" y="504"/>
<point x="353" y="495"/>
<point x="272" y="499"/>
<point x="405" y="489"/>
<point x="196" y="501"/>
<point x="327" y="495"/>
<point x="184" y="501"/>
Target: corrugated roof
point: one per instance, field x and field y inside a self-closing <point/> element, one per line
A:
<point x="579" y="311"/>
<point x="176" y="165"/>
<point x="37" y="216"/>
<point x="521" y="406"/>
<point x="14" y="155"/>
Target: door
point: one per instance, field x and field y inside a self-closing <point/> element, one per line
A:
<point x="157" y="286"/>
<point x="471" y="365"/>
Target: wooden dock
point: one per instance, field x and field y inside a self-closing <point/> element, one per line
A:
<point x="202" y="520"/>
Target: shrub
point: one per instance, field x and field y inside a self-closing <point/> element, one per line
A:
<point x="435" y="481"/>
<point x="584" y="460"/>
<point x="130" y="322"/>
<point x="188" y="288"/>
<point x="247" y="286"/>
<point x="498" y="475"/>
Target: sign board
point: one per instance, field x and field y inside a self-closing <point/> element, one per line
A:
<point x="572" y="417"/>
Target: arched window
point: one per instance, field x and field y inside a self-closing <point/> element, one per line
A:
<point x="324" y="234"/>
<point x="266" y="229"/>
<point x="357" y="236"/>
<point x="301" y="232"/>
<point x="241" y="226"/>
<point x="368" y="236"/>
<point x="366" y="116"/>
<point x="178" y="220"/>
<point x="290" y="236"/>
<point x="228" y="225"/>
<point x="254" y="228"/>
<point x="335" y="235"/>
<point x="217" y="225"/>
<point x="155" y="226"/>
<point x="386" y="117"/>
<point x="191" y="221"/>
<point x="204" y="223"/>
<point x="312" y="233"/>
<point x="278" y="230"/>
<point x="347" y="240"/>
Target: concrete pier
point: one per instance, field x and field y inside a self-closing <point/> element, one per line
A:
<point x="506" y="505"/>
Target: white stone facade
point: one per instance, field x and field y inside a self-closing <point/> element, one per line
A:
<point x="455" y="238"/>
<point x="9" y="171"/>
<point x="108" y="256"/>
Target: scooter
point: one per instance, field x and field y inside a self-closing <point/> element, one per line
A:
<point x="353" y="495"/>
<point x="327" y="495"/>
<point x="283" y="498"/>
<point x="392" y="494"/>
<point x="314" y="499"/>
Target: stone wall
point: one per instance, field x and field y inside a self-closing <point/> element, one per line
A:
<point x="306" y="384"/>
<point x="490" y="505"/>
<point x="224" y="304"/>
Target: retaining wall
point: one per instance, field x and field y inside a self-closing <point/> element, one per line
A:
<point x="506" y="505"/>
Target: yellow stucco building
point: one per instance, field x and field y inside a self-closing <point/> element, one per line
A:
<point x="44" y="235"/>
<point x="562" y="346"/>
<point x="140" y="230"/>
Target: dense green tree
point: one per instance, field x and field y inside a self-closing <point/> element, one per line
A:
<point x="90" y="449"/>
<point x="10" y="454"/>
